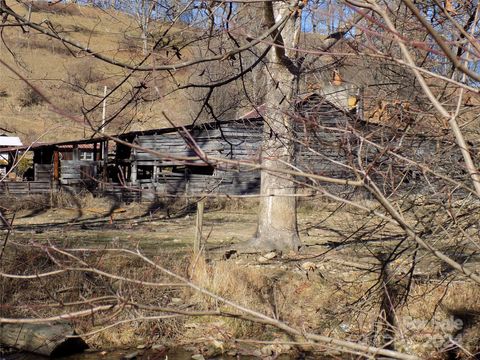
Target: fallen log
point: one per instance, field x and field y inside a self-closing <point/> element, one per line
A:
<point x="44" y="339"/>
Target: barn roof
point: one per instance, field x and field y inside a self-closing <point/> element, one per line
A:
<point x="82" y="144"/>
<point x="10" y="141"/>
<point x="256" y="114"/>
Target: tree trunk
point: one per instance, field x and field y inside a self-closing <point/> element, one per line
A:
<point x="277" y="221"/>
<point x="144" y="42"/>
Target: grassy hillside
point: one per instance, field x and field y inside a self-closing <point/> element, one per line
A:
<point x="74" y="81"/>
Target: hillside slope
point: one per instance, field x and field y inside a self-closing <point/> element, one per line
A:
<point x="74" y="81"/>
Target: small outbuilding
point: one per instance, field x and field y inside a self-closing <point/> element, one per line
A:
<point x="7" y="141"/>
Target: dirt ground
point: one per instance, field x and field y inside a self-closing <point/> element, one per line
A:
<point x="171" y="227"/>
<point x="332" y="287"/>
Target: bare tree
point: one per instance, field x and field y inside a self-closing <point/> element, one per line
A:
<point x="410" y="183"/>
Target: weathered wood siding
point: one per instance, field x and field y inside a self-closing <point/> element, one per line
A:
<point x="24" y="187"/>
<point x="327" y="142"/>
<point x="43" y="172"/>
<point x="78" y="172"/>
<point x="239" y="140"/>
<point x="120" y="192"/>
<point x="332" y="143"/>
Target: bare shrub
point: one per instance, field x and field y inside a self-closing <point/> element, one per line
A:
<point x="29" y="97"/>
<point x="43" y="43"/>
<point x="72" y="286"/>
<point x="82" y="200"/>
<point x="55" y="8"/>
<point x="23" y="165"/>
<point x="130" y="44"/>
<point x="31" y="202"/>
<point x="82" y="75"/>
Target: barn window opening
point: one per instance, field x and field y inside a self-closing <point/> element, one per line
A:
<point x="201" y="170"/>
<point x="86" y="155"/>
<point x="145" y="172"/>
<point x="194" y="169"/>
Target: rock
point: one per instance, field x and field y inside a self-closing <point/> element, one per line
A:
<point x="266" y="257"/>
<point x="257" y="353"/>
<point x="52" y="340"/>
<point x="217" y="344"/>
<point x="131" y="356"/>
<point x="159" y="347"/>
<point x="268" y="350"/>
<point x="309" y="266"/>
<point x="270" y="255"/>
<point x="214" y="349"/>
<point x="198" y="357"/>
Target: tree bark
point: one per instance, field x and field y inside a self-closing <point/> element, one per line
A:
<point x="277" y="220"/>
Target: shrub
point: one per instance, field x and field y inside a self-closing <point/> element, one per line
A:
<point x="23" y="165"/>
<point x="29" y="97"/>
<point x="56" y="8"/>
<point x="82" y="75"/>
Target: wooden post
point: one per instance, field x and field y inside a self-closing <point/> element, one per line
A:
<point x="197" y="245"/>
<point x="105" y="160"/>
<point x="155" y="172"/>
<point x="56" y="166"/>
<point x="75" y="153"/>
<point x="187" y="186"/>
<point x="133" y="168"/>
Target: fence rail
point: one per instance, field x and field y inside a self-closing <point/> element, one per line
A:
<point x="25" y="187"/>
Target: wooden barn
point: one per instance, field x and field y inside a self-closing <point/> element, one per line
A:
<point x="239" y="140"/>
<point x="326" y="139"/>
<point x="76" y="165"/>
<point x="146" y="164"/>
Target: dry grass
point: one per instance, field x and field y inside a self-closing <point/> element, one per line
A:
<point x="311" y="303"/>
<point x="72" y="81"/>
<point x="229" y="280"/>
<point x="323" y="302"/>
<point x="59" y="200"/>
<point x="29" y="298"/>
<point x="331" y="300"/>
<point x="333" y="305"/>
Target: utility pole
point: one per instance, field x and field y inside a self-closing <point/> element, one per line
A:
<point x="104" y="110"/>
<point x="105" y="142"/>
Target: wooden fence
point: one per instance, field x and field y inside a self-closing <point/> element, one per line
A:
<point x="25" y="187"/>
